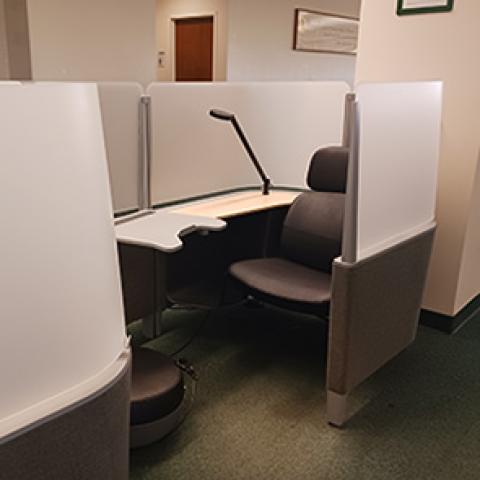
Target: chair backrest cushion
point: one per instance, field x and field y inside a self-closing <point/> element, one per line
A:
<point x="312" y="231"/>
<point x="328" y="170"/>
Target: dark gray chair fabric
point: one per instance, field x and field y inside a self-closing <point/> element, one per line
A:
<point x="312" y="231"/>
<point x="268" y="275"/>
<point x="311" y="239"/>
<point x="157" y="386"/>
<point x="328" y="170"/>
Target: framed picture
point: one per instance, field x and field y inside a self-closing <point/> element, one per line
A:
<point x="323" y="32"/>
<point x="410" y="7"/>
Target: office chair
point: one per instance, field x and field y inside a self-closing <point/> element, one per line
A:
<point x="300" y="278"/>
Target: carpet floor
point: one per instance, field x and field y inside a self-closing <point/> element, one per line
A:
<point x="259" y="408"/>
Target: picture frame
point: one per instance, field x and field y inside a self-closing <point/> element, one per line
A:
<point x="415" y="7"/>
<point x="324" y="32"/>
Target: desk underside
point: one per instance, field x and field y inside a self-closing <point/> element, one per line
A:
<point x="197" y="273"/>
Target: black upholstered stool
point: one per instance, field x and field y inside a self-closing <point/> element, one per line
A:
<point x="156" y="397"/>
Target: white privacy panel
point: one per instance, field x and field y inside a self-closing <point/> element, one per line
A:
<point x="400" y="127"/>
<point x="61" y="315"/>
<point x="120" y="104"/>
<point x="194" y="154"/>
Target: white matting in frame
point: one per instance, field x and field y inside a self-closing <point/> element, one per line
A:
<point x="321" y="32"/>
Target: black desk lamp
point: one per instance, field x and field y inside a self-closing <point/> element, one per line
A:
<point x="230" y="117"/>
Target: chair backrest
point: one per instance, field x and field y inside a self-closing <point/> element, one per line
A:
<point x="312" y="231"/>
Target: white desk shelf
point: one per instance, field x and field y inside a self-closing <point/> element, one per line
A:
<point x="163" y="230"/>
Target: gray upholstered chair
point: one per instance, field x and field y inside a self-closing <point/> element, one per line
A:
<point x="300" y="278"/>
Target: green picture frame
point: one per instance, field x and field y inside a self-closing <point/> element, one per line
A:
<point x="437" y="6"/>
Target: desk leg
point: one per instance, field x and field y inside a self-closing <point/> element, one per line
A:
<point x="152" y="324"/>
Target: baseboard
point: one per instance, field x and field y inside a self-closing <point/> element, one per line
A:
<point x="449" y="324"/>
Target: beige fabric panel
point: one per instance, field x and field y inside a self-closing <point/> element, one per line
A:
<point x="89" y="442"/>
<point x="121" y="116"/>
<point x="18" y="39"/>
<point x="285" y="122"/>
<point x="374" y="310"/>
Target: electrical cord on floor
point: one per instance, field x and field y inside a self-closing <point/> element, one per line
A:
<point x="201" y="326"/>
<point x="185" y="366"/>
<point x="193" y="336"/>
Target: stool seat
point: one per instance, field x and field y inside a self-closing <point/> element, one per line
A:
<point x="157" y="386"/>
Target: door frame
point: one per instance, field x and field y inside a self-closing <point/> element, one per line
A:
<point x="174" y="18"/>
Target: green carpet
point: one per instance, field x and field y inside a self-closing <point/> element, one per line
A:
<point x="259" y="412"/>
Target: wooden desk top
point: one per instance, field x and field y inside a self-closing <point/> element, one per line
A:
<point x="234" y="204"/>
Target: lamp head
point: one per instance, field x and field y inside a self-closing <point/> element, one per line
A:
<point x="222" y="115"/>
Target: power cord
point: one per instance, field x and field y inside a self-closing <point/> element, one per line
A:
<point x="185" y="366"/>
<point x="193" y="336"/>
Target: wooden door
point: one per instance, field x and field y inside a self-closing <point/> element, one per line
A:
<point x="194" y="49"/>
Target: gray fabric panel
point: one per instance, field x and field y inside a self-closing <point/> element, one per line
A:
<point x="137" y="267"/>
<point x="328" y="170"/>
<point x="374" y="310"/>
<point x="143" y="275"/>
<point x="312" y="231"/>
<point x="89" y="442"/>
<point x="284" y="279"/>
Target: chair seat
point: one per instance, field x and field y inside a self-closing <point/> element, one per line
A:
<point x="283" y="279"/>
<point x="157" y="386"/>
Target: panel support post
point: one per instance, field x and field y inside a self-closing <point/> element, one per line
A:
<point x="347" y="119"/>
<point x="350" y="230"/>
<point x="336" y="408"/>
<point x="145" y="200"/>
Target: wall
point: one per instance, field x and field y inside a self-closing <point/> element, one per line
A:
<point x="468" y="283"/>
<point x="4" y="68"/>
<point x="417" y="48"/>
<point x="261" y="41"/>
<point x="168" y="9"/>
<point x="93" y="40"/>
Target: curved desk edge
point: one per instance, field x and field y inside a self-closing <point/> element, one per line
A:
<point x="163" y="230"/>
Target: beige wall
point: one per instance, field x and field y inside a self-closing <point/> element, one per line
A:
<point x="93" y="40"/>
<point x="168" y="9"/>
<point x="4" y="69"/>
<point x="261" y="41"/>
<point x="439" y="46"/>
<point x="468" y="284"/>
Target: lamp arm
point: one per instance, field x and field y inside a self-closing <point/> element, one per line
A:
<point x="251" y="154"/>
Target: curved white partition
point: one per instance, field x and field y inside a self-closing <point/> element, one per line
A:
<point x="399" y="141"/>
<point x="193" y="154"/>
<point x="62" y="327"/>
<point x="120" y="105"/>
